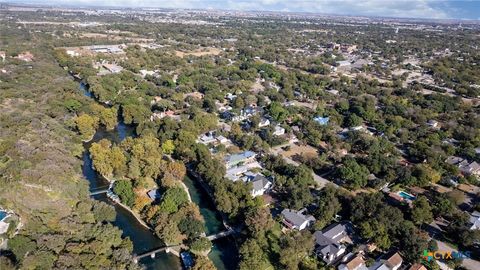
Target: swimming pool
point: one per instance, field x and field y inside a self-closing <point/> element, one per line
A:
<point x="3" y="214"/>
<point x="406" y="196"/>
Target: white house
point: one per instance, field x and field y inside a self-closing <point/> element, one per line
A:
<point x="72" y="53"/>
<point x="392" y="262"/>
<point x="474" y="221"/>
<point x="260" y="185"/>
<point x="357" y="263"/>
<point x="328" y="242"/>
<point x="279" y="131"/>
<point x="296" y="219"/>
<point x="433" y="123"/>
<point x="235" y="159"/>
<point x="264" y="122"/>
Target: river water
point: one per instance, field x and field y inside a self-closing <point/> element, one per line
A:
<point x="224" y="253"/>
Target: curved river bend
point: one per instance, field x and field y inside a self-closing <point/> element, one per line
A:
<point x="224" y="253"/>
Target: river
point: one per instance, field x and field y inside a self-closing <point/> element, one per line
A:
<point x="224" y="253"/>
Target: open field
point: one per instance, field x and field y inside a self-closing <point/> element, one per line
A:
<point x="199" y="52"/>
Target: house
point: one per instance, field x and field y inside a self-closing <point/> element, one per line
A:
<point x="112" y="49"/>
<point x="221" y="139"/>
<point x="279" y="131"/>
<point x="466" y="167"/>
<point x="230" y="96"/>
<point x="154" y="194"/>
<point x="144" y="72"/>
<point x="207" y="138"/>
<point x="328" y="242"/>
<point x="474" y="221"/>
<point x="392" y="262"/>
<point x="471" y="169"/>
<point x="260" y="185"/>
<point x="433" y="123"/>
<point x="417" y="266"/>
<point x="357" y="263"/>
<point x="296" y="219"/>
<point x="237" y="172"/>
<point x="343" y="63"/>
<point x="72" y="53"/>
<point x="160" y="115"/>
<point x="321" y="120"/>
<point x="453" y="160"/>
<point x="348" y="48"/>
<point x="264" y="122"/>
<point x="235" y="159"/>
<point x="113" y="68"/>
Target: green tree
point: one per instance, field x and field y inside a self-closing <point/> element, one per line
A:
<point x="100" y="153"/>
<point x="353" y="120"/>
<point x="103" y="212"/>
<point x="422" y="211"/>
<point x="277" y="111"/>
<point x="252" y="256"/>
<point x="294" y="248"/>
<point x="21" y="245"/>
<point x="200" y="245"/>
<point x="124" y="189"/>
<point x="173" y="199"/>
<point x="86" y="125"/>
<point x="108" y="117"/>
<point x="72" y="105"/>
<point x="168" y="147"/>
<point x="355" y="175"/>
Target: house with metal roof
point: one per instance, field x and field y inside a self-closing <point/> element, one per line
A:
<point x="297" y="219"/>
<point x="236" y="159"/>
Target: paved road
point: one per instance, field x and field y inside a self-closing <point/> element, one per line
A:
<point x="321" y="182"/>
<point x="467" y="263"/>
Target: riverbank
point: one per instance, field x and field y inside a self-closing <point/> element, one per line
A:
<point x="223" y="254"/>
<point x="139" y="219"/>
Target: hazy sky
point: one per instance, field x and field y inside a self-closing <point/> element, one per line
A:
<point x="458" y="9"/>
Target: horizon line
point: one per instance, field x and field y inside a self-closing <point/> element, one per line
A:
<point x="80" y="6"/>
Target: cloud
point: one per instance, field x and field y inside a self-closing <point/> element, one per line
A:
<point x="388" y="8"/>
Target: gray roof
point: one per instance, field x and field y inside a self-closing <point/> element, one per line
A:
<point x="335" y="232"/>
<point x="321" y="239"/>
<point x="235" y="158"/>
<point x="259" y="182"/>
<point x="330" y="235"/>
<point x="329" y="249"/>
<point x="452" y="160"/>
<point x="297" y="218"/>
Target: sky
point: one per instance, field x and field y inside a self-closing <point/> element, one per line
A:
<point x="438" y="9"/>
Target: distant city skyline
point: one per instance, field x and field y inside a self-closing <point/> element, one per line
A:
<point x="434" y="9"/>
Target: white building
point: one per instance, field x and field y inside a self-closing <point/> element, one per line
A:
<point x="264" y="122"/>
<point x="474" y="221"/>
<point x="260" y="185"/>
<point x="297" y="219"/>
<point x="279" y="131"/>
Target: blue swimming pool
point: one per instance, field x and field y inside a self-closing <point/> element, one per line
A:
<point x="3" y="214"/>
<point x="406" y="196"/>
